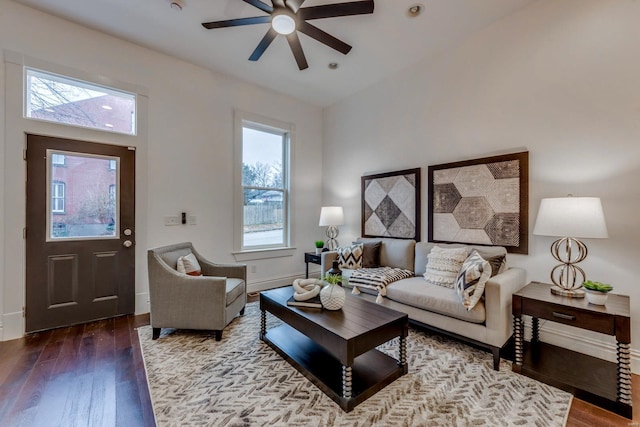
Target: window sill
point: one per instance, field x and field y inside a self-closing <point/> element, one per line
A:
<point x="263" y="254"/>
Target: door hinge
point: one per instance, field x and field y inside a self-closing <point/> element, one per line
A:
<point x="24" y="232"/>
<point x="24" y="311"/>
<point x="24" y="154"/>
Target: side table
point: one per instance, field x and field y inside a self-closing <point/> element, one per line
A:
<point x="594" y="380"/>
<point x="311" y="257"/>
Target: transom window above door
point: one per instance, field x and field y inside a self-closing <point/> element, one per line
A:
<point x="55" y="98"/>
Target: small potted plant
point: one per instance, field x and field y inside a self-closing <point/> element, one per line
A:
<point x="596" y="291"/>
<point x="319" y="246"/>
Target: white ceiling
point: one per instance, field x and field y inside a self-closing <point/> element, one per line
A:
<point x="383" y="43"/>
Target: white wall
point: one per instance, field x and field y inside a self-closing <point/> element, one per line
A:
<point x="185" y="158"/>
<point x="559" y="79"/>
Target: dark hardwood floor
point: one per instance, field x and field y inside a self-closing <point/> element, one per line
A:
<point x="93" y="375"/>
<point x="83" y="375"/>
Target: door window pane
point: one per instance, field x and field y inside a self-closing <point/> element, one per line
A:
<point x="57" y="197"/>
<point x="84" y="199"/>
<point x="60" y="99"/>
<point x="58" y="159"/>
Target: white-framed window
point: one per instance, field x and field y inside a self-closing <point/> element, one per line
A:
<point x="65" y="100"/>
<point x="57" y="197"/>
<point x="263" y="153"/>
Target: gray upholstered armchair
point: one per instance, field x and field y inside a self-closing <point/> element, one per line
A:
<point x="210" y="301"/>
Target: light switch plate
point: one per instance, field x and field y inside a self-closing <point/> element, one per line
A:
<point x="171" y="220"/>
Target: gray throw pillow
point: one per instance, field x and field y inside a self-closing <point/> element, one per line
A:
<point x="497" y="263"/>
<point x="371" y="255"/>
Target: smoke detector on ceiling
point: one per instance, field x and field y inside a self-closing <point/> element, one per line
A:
<point x="415" y="10"/>
<point x="176" y="5"/>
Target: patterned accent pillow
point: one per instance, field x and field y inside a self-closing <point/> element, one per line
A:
<point x="444" y="264"/>
<point x="472" y="278"/>
<point x="350" y="256"/>
<point x="189" y="265"/>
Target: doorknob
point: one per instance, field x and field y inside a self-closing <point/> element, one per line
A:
<point x="127" y="243"/>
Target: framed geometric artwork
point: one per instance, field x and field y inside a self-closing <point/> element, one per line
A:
<point x="482" y="202"/>
<point x="391" y="204"/>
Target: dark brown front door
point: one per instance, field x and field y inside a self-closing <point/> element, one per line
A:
<point x="80" y="254"/>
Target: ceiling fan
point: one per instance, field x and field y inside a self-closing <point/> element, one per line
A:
<point x="287" y="16"/>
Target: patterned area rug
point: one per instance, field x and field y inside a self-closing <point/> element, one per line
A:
<point x="240" y="381"/>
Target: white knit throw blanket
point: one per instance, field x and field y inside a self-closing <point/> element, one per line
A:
<point x="377" y="278"/>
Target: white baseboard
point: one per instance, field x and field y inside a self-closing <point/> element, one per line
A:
<point x="142" y="303"/>
<point x="587" y="343"/>
<point x="12" y="326"/>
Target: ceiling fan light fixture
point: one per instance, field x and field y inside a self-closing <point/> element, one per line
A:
<point x="287" y="17"/>
<point x="283" y="23"/>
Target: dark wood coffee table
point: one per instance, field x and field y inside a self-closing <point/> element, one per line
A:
<point x="335" y="350"/>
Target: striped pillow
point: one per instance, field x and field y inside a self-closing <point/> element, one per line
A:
<point x="350" y="256"/>
<point x="471" y="280"/>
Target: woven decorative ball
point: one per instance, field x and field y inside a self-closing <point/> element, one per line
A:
<point x="332" y="297"/>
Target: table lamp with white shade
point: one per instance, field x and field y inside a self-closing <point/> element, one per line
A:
<point x="331" y="217"/>
<point x="570" y="218"/>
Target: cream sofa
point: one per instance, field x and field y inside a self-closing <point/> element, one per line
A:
<point x="488" y="324"/>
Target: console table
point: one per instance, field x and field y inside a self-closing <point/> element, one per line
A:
<point x="594" y="380"/>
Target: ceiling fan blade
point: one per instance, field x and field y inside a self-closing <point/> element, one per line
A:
<point x="262" y="6"/>
<point x="294" y="5"/>
<point x="237" y="22"/>
<point x="296" y="48"/>
<point x="323" y="37"/>
<point x="335" y="10"/>
<point x="263" y="45"/>
<point x="278" y="3"/>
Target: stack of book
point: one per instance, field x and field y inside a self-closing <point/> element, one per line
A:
<point x="310" y="303"/>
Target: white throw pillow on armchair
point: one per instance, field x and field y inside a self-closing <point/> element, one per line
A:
<point x="189" y="265"/>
